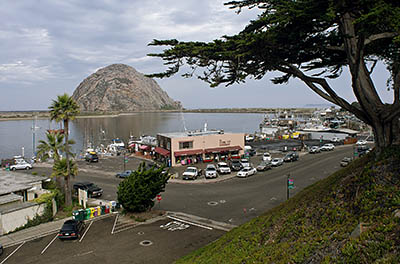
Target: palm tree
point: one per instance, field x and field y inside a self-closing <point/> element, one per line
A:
<point x="54" y="145"/>
<point x="65" y="109"/>
<point x="60" y="169"/>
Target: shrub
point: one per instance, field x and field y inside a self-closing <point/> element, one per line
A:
<point x="137" y="192"/>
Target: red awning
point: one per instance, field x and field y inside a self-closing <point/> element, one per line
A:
<point x="188" y="152"/>
<point x="162" y="151"/>
<point x="223" y="149"/>
<point x="144" y="147"/>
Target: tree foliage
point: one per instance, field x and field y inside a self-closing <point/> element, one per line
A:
<point x="65" y="109"/>
<point x="137" y="192"/>
<point x="313" y="40"/>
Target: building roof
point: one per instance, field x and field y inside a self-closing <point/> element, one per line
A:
<point x="8" y="198"/>
<point x="193" y="133"/>
<point x="14" y="181"/>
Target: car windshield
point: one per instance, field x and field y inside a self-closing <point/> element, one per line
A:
<point x="210" y="169"/>
<point x="89" y="185"/>
<point x="190" y="170"/>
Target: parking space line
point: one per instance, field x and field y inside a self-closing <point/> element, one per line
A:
<point x="115" y="222"/>
<point x="12" y="253"/>
<point x="87" y="229"/>
<point x="191" y="223"/>
<point x="48" y="245"/>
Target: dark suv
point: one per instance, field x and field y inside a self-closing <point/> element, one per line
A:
<point x="71" y="229"/>
<point x="92" y="157"/>
<point x="92" y="189"/>
<point x="292" y="156"/>
<point x="236" y="165"/>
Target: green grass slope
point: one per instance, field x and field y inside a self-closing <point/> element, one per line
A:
<point x="318" y="224"/>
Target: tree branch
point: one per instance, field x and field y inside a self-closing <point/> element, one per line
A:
<point x="367" y="41"/>
<point x="396" y="86"/>
<point x="328" y="94"/>
<point x="373" y="66"/>
<point x="379" y="36"/>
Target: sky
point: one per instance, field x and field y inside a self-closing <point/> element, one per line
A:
<point x="47" y="47"/>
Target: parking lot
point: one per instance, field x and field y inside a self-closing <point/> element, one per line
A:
<point x="166" y="239"/>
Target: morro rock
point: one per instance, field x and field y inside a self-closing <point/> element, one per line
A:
<point x="120" y="88"/>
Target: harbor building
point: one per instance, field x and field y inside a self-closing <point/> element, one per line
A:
<point x="190" y="147"/>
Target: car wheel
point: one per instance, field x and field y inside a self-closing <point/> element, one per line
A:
<point x="13" y="168"/>
<point x="27" y="168"/>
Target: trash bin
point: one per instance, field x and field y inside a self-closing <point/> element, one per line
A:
<point x="92" y="211"/>
<point x="98" y="210"/>
<point x="87" y="213"/>
<point x="103" y="209"/>
<point x="107" y="209"/>
<point x="113" y="205"/>
<point x="75" y="214"/>
<point x="82" y="213"/>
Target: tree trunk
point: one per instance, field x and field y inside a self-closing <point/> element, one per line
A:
<point x="386" y="134"/>
<point x="67" y="184"/>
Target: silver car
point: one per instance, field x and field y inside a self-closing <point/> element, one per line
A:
<point x="211" y="171"/>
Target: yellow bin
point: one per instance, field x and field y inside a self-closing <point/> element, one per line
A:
<point x="98" y="208"/>
<point x="92" y="210"/>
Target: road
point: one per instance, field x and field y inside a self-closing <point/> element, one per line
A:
<point x="236" y="200"/>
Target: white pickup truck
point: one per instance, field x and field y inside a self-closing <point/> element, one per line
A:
<point x="191" y="173"/>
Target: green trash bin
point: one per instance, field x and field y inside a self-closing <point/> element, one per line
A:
<point x="76" y="215"/>
<point x="82" y="214"/>
<point x="87" y="214"/>
<point x="103" y="209"/>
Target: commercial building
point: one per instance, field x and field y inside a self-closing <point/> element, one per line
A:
<point x="183" y="148"/>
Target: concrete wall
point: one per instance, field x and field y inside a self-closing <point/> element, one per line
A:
<point x="12" y="219"/>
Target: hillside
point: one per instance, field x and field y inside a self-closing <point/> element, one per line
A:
<point x="353" y="216"/>
<point x="120" y="88"/>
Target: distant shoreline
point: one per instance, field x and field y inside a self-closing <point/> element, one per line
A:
<point x="30" y="115"/>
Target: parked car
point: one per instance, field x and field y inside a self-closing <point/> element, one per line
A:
<point x="267" y="157"/>
<point x="236" y="165"/>
<point x="249" y="138"/>
<point x="123" y="174"/>
<point x="21" y="166"/>
<point x="191" y="173"/>
<point x="276" y="162"/>
<point x="223" y="168"/>
<point x="92" y="189"/>
<point x="292" y="156"/>
<point x="245" y="163"/>
<point x="211" y="171"/>
<point x="335" y="139"/>
<point x="327" y="147"/>
<point x="246" y="172"/>
<point x="345" y="161"/>
<point x="1" y="249"/>
<point x="264" y="165"/>
<point x="361" y="142"/>
<point x="71" y="229"/>
<point x="92" y="157"/>
<point x="362" y="150"/>
<point x="314" y="149"/>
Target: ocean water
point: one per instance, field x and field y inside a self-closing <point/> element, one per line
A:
<point x="18" y="137"/>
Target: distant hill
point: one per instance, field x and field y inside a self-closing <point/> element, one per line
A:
<point x="120" y="88"/>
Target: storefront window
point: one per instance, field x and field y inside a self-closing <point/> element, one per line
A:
<point x="186" y="145"/>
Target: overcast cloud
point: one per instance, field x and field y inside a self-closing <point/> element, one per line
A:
<point x="48" y="47"/>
